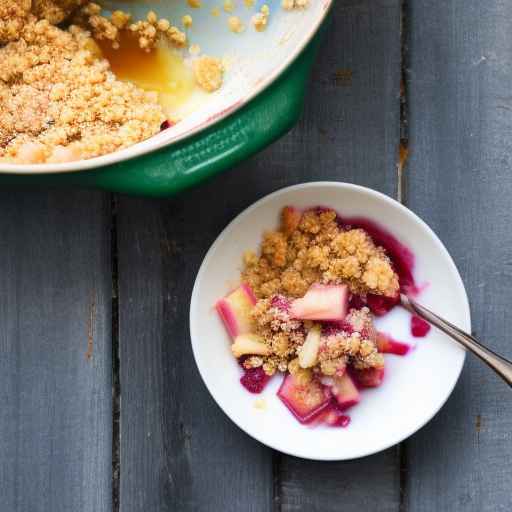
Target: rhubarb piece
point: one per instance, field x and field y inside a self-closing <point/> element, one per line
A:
<point x="235" y="310"/>
<point x="290" y="219"/>
<point x="380" y="305"/>
<point x="334" y="417"/>
<point x="254" y="380"/>
<point x="419" y="328"/>
<point x="305" y="401"/>
<point x="322" y="302"/>
<point x="308" y="355"/>
<point x="249" y="344"/>
<point x="369" y="377"/>
<point x="387" y="345"/>
<point x="345" y="392"/>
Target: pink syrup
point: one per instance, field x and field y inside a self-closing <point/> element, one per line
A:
<point x="401" y="256"/>
<point x="254" y="380"/>
<point x="419" y="328"/>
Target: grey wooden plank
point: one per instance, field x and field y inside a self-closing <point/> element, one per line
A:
<point x="178" y="451"/>
<point x="55" y="358"/>
<point x="353" y="485"/>
<point x="460" y="181"/>
<point x="350" y="132"/>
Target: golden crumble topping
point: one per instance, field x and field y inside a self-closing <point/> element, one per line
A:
<point x="209" y="73"/>
<point x="148" y="32"/>
<point x="235" y="24"/>
<point x="60" y="99"/>
<point x="313" y="248"/>
<point x="289" y="5"/>
<point x="260" y="19"/>
<point x="354" y="341"/>
<point x="62" y="102"/>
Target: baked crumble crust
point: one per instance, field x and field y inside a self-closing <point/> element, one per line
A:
<point x="354" y="342"/>
<point x="313" y="248"/>
<point x="62" y="102"/>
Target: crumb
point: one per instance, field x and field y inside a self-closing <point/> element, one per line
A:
<point x="260" y="404"/>
<point x="194" y="49"/>
<point x="195" y="4"/>
<point x="290" y="5"/>
<point x="215" y="11"/>
<point x="311" y="247"/>
<point x="187" y="21"/>
<point x="235" y="24"/>
<point x="260" y="19"/>
<point x="249" y="3"/>
<point x="228" y="6"/>
<point x="209" y="73"/>
<point x="152" y="30"/>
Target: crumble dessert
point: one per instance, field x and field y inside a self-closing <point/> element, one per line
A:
<point x="61" y="100"/>
<point x="306" y="309"/>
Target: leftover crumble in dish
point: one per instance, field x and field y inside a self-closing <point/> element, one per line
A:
<point x="306" y="309"/>
<point x="60" y="99"/>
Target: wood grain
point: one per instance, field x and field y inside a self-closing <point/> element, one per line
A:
<point x="55" y="362"/>
<point x="460" y="182"/>
<point x="178" y="450"/>
<point x="350" y="132"/>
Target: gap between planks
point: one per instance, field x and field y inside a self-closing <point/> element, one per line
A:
<point x="403" y="153"/>
<point x="116" y="382"/>
<point x="401" y="193"/>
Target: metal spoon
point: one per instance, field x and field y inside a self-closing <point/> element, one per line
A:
<point x="499" y="364"/>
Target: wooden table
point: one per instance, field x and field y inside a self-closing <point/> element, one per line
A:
<point x="101" y="405"/>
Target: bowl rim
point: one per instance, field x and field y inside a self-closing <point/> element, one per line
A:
<point x="392" y="440"/>
<point x="145" y="147"/>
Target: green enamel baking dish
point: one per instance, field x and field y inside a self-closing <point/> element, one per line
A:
<point x="260" y="100"/>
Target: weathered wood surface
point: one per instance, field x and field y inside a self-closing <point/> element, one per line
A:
<point x="178" y="451"/>
<point x="55" y="364"/>
<point x="460" y="181"/>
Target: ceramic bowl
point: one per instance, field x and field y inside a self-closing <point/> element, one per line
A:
<point x="415" y="386"/>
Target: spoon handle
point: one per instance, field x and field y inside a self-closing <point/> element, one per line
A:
<point x="499" y="364"/>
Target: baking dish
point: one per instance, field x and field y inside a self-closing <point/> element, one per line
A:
<point x="259" y="101"/>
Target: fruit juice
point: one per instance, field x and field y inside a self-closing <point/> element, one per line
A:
<point x="161" y="69"/>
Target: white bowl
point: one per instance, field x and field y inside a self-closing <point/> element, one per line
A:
<point x="415" y="387"/>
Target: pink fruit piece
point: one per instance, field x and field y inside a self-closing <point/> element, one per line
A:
<point x="280" y="302"/>
<point x="333" y="328"/>
<point x="345" y="392"/>
<point x="305" y="401"/>
<point x="322" y="302"/>
<point x="419" y="328"/>
<point x="387" y="345"/>
<point x="335" y="418"/>
<point x="254" y="380"/>
<point x="380" y="305"/>
<point x="332" y="416"/>
<point x="235" y="310"/>
<point x="368" y="378"/>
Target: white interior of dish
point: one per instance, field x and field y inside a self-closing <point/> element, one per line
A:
<point x="254" y="59"/>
